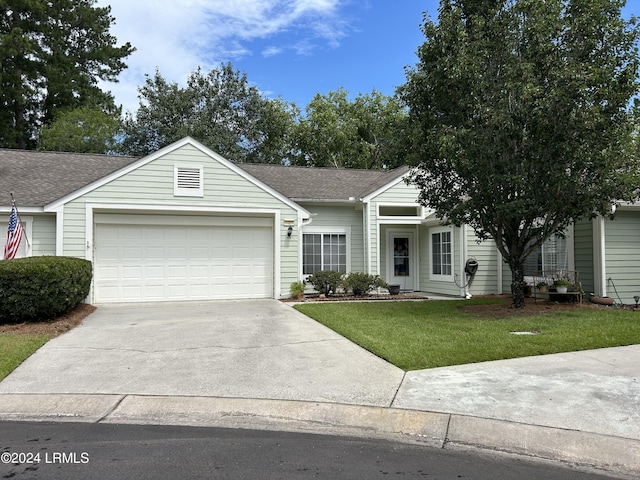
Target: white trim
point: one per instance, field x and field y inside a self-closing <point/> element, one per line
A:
<point x="420" y="210"/>
<point x="599" y="257"/>
<point x="28" y="231"/>
<point x="164" y="151"/>
<point x="378" y="272"/>
<point x="60" y="230"/>
<point x="328" y="230"/>
<point x="179" y="191"/>
<point x="277" y="255"/>
<point x="439" y="277"/>
<point x="500" y="266"/>
<point x="413" y="258"/>
<point x="366" y="239"/>
<point x="399" y="221"/>
<point x="22" y="209"/>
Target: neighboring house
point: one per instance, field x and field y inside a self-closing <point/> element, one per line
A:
<point x="185" y="223"/>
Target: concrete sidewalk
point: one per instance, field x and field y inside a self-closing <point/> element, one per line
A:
<point x="582" y="407"/>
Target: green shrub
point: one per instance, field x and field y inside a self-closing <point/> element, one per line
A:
<point x="297" y="289"/>
<point x="326" y="281"/>
<point x="362" y="283"/>
<point x="41" y="288"/>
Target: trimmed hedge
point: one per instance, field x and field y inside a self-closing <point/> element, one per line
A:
<point x="326" y="281"/>
<point x="42" y="288"/>
<point x="362" y="283"/>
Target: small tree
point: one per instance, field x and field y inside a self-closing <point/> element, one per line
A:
<point x="523" y="107"/>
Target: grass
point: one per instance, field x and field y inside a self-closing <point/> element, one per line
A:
<point x="418" y="335"/>
<point x="16" y="348"/>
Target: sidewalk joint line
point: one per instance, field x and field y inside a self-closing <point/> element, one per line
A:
<point x="112" y="409"/>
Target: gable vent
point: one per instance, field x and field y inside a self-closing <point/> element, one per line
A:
<point x="188" y="181"/>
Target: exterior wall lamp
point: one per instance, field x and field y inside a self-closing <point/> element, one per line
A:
<point x="289" y="224"/>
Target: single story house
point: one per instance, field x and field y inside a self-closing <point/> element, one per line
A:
<point x="184" y="223"/>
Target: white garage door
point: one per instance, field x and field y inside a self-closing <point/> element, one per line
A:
<point x="148" y="263"/>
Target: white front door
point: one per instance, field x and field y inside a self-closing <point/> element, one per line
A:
<point x="401" y="260"/>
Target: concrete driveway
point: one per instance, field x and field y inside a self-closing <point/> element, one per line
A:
<point x="244" y="349"/>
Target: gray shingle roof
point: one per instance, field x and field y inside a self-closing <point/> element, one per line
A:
<point x="39" y="178"/>
<point x="307" y="183"/>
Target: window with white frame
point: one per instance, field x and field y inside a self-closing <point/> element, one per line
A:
<point x="324" y="251"/>
<point x="553" y="254"/>
<point x="442" y="254"/>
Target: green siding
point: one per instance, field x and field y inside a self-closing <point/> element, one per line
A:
<point x="43" y="234"/>
<point x="622" y="254"/>
<point x="583" y="254"/>
<point x="152" y="184"/>
<point x="427" y="284"/>
<point x="485" y="281"/>
<point x="342" y="216"/>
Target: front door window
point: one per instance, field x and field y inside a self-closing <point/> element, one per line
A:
<point x="400" y="260"/>
<point x="401" y="257"/>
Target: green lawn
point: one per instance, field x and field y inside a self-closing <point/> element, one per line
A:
<point x="16" y="348"/>
<point x="417" y="335"/>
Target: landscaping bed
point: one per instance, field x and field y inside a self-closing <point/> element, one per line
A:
<point x="53" y="328"/>
<point x="315" y="297"/>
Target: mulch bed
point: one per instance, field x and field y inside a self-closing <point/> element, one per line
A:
<point x="54" y="327"/>
<point x="351" y="298"/>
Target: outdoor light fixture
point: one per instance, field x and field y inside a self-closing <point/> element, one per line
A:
<point x="289" y="224"/>
<point x="637" y="299"/>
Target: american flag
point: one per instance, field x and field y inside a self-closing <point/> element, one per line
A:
<point x="14" y="235"/>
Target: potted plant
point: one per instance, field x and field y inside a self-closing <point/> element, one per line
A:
<point x="297" y="290"/>
<point x="394" y="289"/>
<point x="561" y="285"/>
<point x="542" y="287"/>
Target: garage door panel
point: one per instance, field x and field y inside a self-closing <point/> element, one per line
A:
<point x="154" y="263"/>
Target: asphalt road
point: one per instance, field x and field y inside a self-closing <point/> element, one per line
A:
<point x="83" y="450"/>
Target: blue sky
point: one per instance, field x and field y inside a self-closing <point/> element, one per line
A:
<point x="288" y="48"/>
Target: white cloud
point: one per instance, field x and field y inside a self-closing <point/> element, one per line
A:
<point x="177" y="36"/>
<point x="272" y="51"/>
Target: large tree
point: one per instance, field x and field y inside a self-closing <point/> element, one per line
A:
<point x="220" y="109"/>
<point x="81" y="130"/>
<point x="525" y="117"/>
<point x="52" y="56"/>
<point x="368" y="132"/>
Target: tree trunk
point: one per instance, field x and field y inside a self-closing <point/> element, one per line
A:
<point x="517" y="285"/>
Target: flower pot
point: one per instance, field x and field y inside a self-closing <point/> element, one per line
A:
<point x="562" y="289"/>
<point x="394" y="289"/>
<point x="542" y="289"/>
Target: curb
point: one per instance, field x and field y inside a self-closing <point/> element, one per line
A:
<point x="440" y="430"/>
